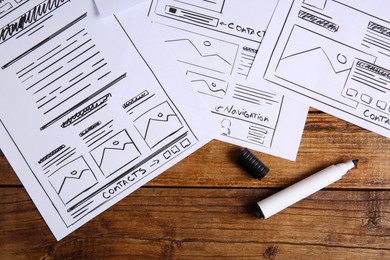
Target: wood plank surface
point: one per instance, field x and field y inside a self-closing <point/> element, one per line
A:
<point x="189" y="223"/>
<point x="202" y="208"/>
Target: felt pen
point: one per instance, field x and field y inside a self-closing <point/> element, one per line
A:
<point x="302" y="189"/>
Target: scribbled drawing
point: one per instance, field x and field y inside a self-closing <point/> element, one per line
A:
<point x="196" y="51"/>
<point x="215" y="5"/>
<point x="158" y="124"/>
<point x="115" y="153"/>
<point x="208" y="85"/>
<point x="317" y="63"/>
<point x="73" y="180"/>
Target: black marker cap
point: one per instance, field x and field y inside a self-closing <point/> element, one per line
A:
<point x="252" y="164"/>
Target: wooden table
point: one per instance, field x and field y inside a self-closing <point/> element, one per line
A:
<point x="202" y="208"/>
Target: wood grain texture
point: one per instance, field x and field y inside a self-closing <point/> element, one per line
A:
<point x="201" y="208"/>
<point x="179" y="223"/>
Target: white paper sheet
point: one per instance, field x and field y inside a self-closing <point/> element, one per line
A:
<point x="333" y="55"/>
<point x="215" y="43"/>
<point x="86" y="116"/>
<point x="110" y="7"/>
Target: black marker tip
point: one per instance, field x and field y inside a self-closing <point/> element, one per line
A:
<point x="355" y="162"/>
<point x="258" y="212"/>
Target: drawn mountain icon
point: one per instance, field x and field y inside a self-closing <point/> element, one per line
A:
<point x="158" y="124"/>
<point x="72" y="180"/>
<point x="115" y="153"/>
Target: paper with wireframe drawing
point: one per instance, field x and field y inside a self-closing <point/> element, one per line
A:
<point x="88" y="111"/>
<point x="332" y="55"/>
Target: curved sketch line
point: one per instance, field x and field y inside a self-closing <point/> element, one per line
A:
<point x="118" y="149"/>
<point x="203" y="56"/>
<point x="156" y="120"/>
<point x="202" y="80"/>
<point x="68" y="177"/>
<point x="326" y="55"/>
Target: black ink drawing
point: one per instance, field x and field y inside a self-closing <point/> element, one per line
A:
<point x="218" y="67"/>
<point x="367" y="84"/>
<point x="92" y="96"/>
<point x="191" y="16"/>
<point x="185" y="143"/>
<point x="256" y="96"/>
<point x="68" y="69"/>
<point x="158" y="124"/>
<point x="85" y="159"/>
<point x="44" y="41"/>
<point x="226" y="127"/>
<point x="257" y="134"/>
<point x="377" y="37"/>
<point x="73" y="180"/>
<point x="115" y="153"/>
<point x="208" y="85"/>
<point x="137" y="101"/>
<point x="97" y="132"/>
<point x="246" y="58"/>
<point x="203" y="52"/>
<point x="28" y="19"/>
<point x="327" y="57"/>
<point x="61" y="158"/>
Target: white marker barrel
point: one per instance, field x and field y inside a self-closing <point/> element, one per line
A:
<point x="303" y="188"/>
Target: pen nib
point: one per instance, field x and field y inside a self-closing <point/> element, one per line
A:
<point x="355" y="162"/>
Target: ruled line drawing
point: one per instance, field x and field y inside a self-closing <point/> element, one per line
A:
<point x="256" y="96"/>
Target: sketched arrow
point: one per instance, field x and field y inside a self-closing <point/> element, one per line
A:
<point x="155" y="162"/>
